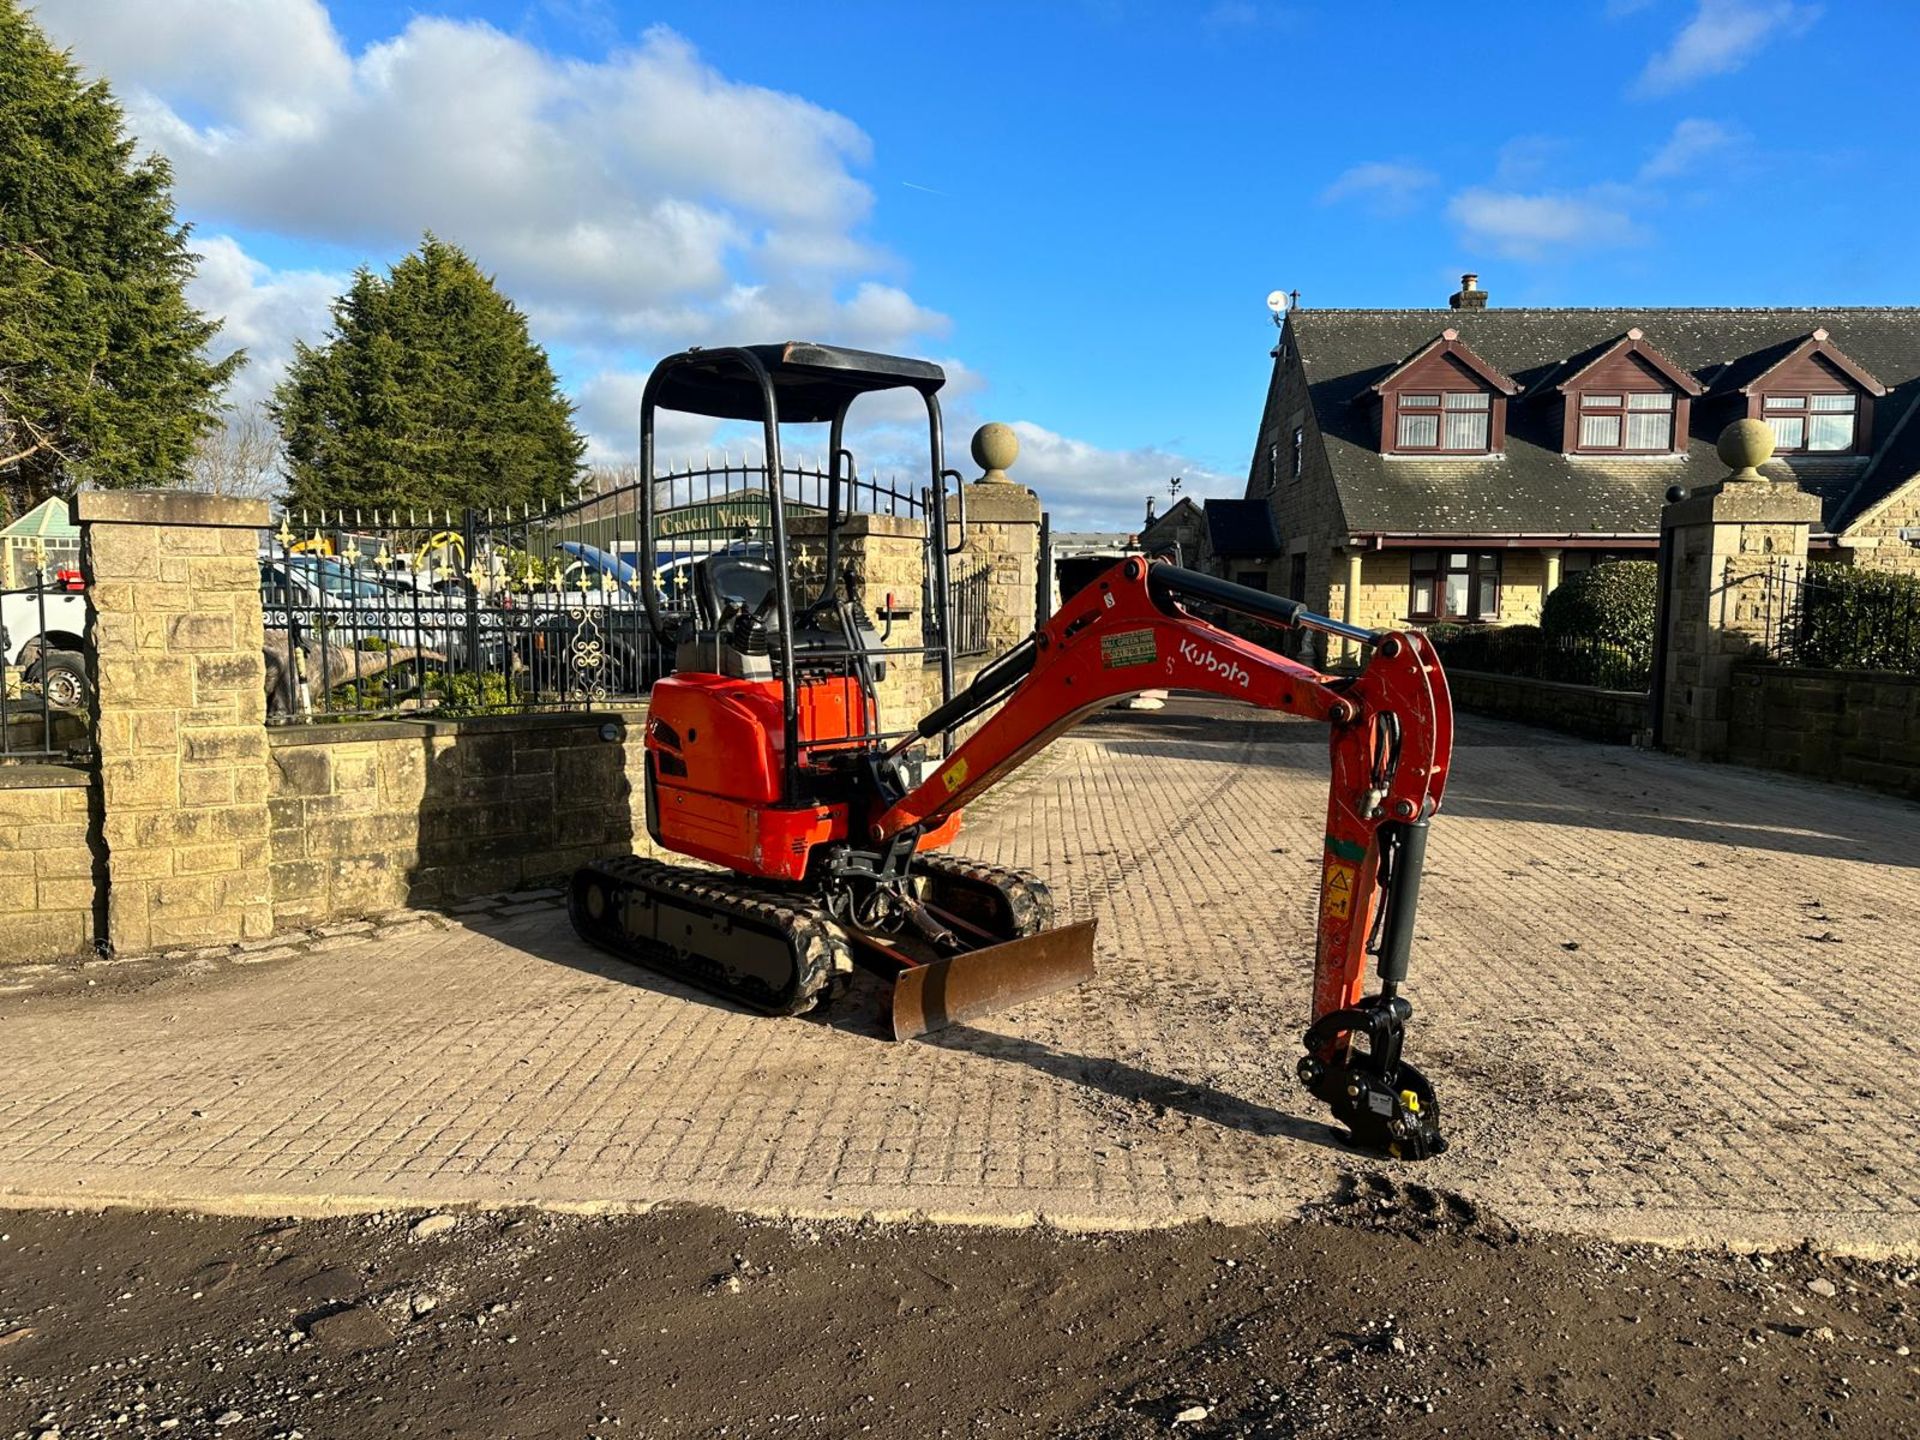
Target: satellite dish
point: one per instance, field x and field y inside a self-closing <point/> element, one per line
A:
<point x="1277" y="302"/>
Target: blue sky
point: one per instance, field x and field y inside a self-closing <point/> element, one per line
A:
<point x="1078" y="207"/>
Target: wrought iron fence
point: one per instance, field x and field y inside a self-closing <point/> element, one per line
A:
<point x="46" y="678"/>
<point x="391" y="613"/>
<point x="969" y="612"/>
<point x="1829" y="617"/>
<point x="1524" y="652"/>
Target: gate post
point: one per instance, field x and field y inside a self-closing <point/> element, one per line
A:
<point x="1719" y="542"/>
<point x="180" y="710"/>
<point x="883" y="555"/>
<point x="1003" y="533"/>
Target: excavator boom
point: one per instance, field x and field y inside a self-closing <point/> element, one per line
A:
<point x="1391" y="728"/>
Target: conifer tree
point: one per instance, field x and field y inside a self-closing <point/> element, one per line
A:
<point x="104" y="371"/>
<point x="427" y="392"/>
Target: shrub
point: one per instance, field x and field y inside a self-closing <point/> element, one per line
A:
<point x="1612" y="604"/>
<point x="463" y="693"/>
<point x="1859" y="620"/>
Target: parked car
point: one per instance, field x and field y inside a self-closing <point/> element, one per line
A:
<point x="42" y="633"/>
<point x="355" y="610"/>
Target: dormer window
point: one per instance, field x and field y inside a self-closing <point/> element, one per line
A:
<point x="1811" y="424"/>
<point x="1814" y="398"/>
<point x="1443" y="400"/>
<point x="1625" y="398"/>
<point x="1639" y="423"/>
<point x="1453" y="422"/>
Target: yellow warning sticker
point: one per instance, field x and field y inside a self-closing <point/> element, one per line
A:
<point x="1338" y="904"/>
<point x="956" y="777"/>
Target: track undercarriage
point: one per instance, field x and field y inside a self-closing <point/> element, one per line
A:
<point x="783" y="949"/>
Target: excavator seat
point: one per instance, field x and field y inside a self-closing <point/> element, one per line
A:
<point x="742" y="578"/>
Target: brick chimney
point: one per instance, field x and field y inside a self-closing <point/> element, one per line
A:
<point x="1470" y="296"/>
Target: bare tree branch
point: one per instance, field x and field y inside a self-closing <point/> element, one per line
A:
<point x="240" y="460"/>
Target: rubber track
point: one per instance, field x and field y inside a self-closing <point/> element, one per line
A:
<point x="1029" y="900"/>
<point x="817" y="945"/>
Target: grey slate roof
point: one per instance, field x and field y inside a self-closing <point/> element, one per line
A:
<point x="1241" y="528"/>
<point x="1533" y="489"/>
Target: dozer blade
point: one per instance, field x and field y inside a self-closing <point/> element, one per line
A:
<point x="931" y="997"/>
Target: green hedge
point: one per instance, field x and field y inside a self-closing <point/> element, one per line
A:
<point x="1853" y="619"/>
<point x="1612" y="604"/>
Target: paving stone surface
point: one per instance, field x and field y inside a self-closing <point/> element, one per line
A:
<point x="1658" y="1000"/>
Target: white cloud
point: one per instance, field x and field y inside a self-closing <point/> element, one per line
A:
<point x="1385" y="187"/>
<point x="1722" y="36"/>
<point x="1527" y="227"/>
<point x="267" y="66"/>
<point x="1692" y="142"/>
<point x="265" y="310"/>
<point x="1527" y="158"/>
<point x="1089" y="487"/>
<point x="640" y="196"/>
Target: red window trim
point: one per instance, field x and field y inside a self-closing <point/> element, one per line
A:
<point x="1680" y="414"/>
<point x="1477" y="560"/>
<point x="1390" y="420"/>
<point x="1862" y="409"/>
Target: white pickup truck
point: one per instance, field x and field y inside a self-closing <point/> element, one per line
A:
<point x="41" y="632"/>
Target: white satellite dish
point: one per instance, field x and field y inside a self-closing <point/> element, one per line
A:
<point x="1277" y="302"/>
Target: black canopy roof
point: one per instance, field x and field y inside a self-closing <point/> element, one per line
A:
<point x="811" y="382"/>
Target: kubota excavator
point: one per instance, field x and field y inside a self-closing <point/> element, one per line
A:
<point x="765" y="755"/>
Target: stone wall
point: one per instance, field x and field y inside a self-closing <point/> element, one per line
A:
<point x="376" y="817"/>
<point x="1858" y="726"/>
<point x="1874" y="540"/>
<point x="175" y="624"/>
<point x="886" y="557"/>
<point x="1618" y="717"/>
<point x="46" y="864"/>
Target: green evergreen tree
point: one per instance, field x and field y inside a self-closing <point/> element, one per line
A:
<point x="104" y="372"/>
<point x="428" y="392"/>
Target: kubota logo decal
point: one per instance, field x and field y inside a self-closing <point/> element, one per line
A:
<point x="1206" y="660"/>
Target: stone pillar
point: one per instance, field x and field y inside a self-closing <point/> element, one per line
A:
<point x="1722" y="540"/>
<point x="1003" y="533"/>
<point x="1552" y="581"/>
<point x="1349" y="650"/>
<point x="174" y="622"/>
<point x="885" y="555"/>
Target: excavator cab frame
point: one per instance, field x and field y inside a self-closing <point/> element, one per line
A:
<point x="802" y="383"/>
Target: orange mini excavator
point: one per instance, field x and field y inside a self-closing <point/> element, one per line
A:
<point x="766" y="756"/>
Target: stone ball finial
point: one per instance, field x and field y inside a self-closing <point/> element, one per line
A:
<point x="1745" y="446"/>
<point x="995" y="447"/>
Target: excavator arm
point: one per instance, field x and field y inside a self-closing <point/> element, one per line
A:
<point x="1391" y="744"/>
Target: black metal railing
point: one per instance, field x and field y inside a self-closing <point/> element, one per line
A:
<point x="46" y="675"/>
<point x="379" y="614"/>
<point x="1828" y="617"/>
<point x="969" y="612"/>
<point x="1522" y="651"/>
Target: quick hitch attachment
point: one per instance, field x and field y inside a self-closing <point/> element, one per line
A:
<point x="1384" y="1100"/>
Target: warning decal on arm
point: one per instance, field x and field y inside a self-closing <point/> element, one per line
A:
<point x="1338" y="891"/>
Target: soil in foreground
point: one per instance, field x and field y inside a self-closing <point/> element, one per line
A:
<point x="1397" y="1311"/>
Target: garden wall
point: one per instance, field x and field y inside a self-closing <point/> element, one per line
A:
<point x="368" y="818"/>
<point x="1617" y="716"/>
<point x="1862" y="727"/>
<point x="46" y="864"/>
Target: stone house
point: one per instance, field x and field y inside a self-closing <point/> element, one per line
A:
<point x="1455" y="464"/>
<point x="1233" y="538"/>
